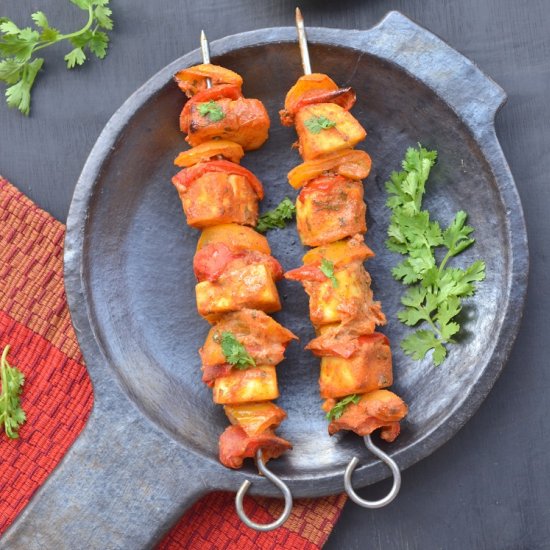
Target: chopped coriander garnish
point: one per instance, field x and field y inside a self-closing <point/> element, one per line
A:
<point x="211" y="110"/>
<point x="327" y="267"/>
<point x="235" y="352"/>
<point x="12" y="416"/>
<point x="317" y="123"/>
<point x="18" y="69"/>
<point x="277" y="217"/>
<point x="435" y="294"/>
<point x="338" y="410"/>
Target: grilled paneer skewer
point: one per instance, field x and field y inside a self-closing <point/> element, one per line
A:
<point x="356" y="362"/>
<point x="235" y="271"/>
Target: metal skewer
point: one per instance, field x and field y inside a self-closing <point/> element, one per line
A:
<point x="306" y="64"/>
<point x="205" y="49"/>
<point x="277" y="482"/>
<point x="302" y="41"/>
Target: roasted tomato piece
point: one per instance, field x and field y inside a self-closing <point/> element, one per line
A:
<point x="345" y="97"/>
<point x="344" y="298"/>
<point x="263" y="338"/>
<point x="193" y="79"/>
<point x="213" y="260"/>
<point x="255" y="418"/>
<point x="235" y="446"/>
<point x="377" y="409"/>
<point x="210" y="150"/>
<point x="368" y="368"/>
<point x="351" y="164"/>
<point x="305" y="86"/>
<point x="326" y="128"/>
<point x="244" y="121"/>
<point x="251" y="286"/>
<point x="238" y="237"/>
<point x="330" y="208"/>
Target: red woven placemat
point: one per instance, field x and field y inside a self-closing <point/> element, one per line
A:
<point x="58" y="396"/>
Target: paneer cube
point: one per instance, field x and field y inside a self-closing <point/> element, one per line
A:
<point x="325" y="128"/>
<point x="218" y="197"/>
<point x="255" y="418"/>
<point x="264" y="339"/>
<point x="246" y="386"/>
<point x="331" y="304"/>
<point x="244" y="121"/>
<point x="368" y="369"/>
<point x="329" y="209"/>
<point x="251" y="286"/>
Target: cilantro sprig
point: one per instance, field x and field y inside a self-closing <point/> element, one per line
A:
<point x="327" y="268"/>
<point x="436" y="291"/>
<point x="211" y="110"/>
<point x="278" y="217"/>
<point x="235" y="353"/>
<point x="18" y="64"/>
<point x="12" y="416"/>
<point x="317" y="123"/>
<point x="338" y="410"/>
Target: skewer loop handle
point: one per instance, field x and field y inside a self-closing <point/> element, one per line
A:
<point x="277" y="482"/>
<point x="371" y="504"/>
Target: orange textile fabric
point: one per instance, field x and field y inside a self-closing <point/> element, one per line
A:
<point x="58" y="396"/>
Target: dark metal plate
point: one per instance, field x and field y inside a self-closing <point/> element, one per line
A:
<point x="150" y="447"/>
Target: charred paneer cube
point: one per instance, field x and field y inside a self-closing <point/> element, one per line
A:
<point x="329" y="209"/>
<point x="219" y="198"/>
<point x="325" y="128"/>
<point x="368" y="369"/>
<point x="251" y="286"/>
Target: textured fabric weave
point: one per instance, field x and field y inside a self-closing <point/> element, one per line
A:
<point x="58" y="396"/>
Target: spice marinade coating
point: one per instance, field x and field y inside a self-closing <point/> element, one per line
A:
<point x="235" y="271"/>
<point x="356" y="362"/>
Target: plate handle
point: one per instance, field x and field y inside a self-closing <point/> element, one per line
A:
<point x="474" y="96"/>
<point x="112" y="489"/>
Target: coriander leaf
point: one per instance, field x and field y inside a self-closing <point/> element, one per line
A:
<point x="405" y="272"/>
<point x="327" y="268"/>
<point x="419" y="343"/>
<point x="19" y="95"/>
<point x="338" y="410"/>
<point x="235" y="353"/>
<point x="10" y="70"/>
<point x="83" y="4"/>
<point x="212" y="111"/>
<point x="50" y="34"/>
<point x="75" y="57"/>
<point x="8" y="27"/>
<point x="317" y="123"/>
<point x="437" y="291"/>
<point x="98" y="44"/>
<point x="278" y="217"/>
<point x="18" y="67"/>
<point x="456" y="236"/>
<point x="12" y="416"/>
<point x="103" y="17"/>
<point x="40" y="19"/>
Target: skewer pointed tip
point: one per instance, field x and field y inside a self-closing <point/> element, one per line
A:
<point x="203" y="36"/>
<point x="302" y="40"/>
